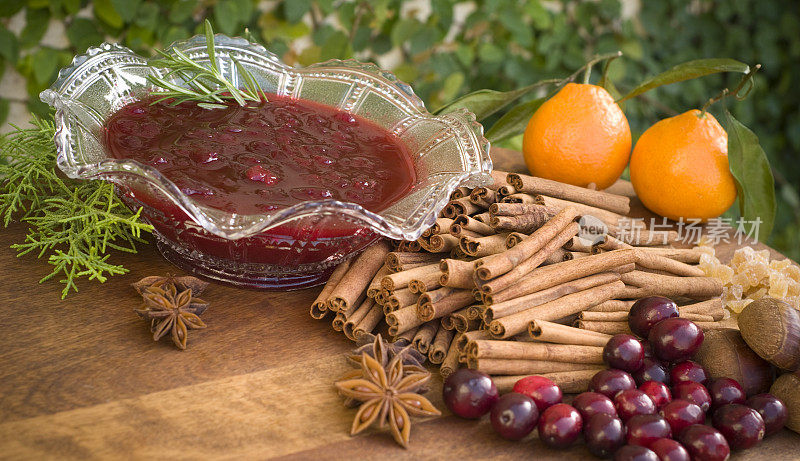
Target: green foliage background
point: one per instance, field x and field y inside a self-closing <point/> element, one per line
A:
<point x="501" y="44"/>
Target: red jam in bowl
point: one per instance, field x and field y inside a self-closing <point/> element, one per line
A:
<point x="255" y="160"/>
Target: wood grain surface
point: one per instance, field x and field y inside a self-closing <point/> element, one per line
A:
<point x="83" y="379"/>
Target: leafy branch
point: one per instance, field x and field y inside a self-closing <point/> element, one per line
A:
<point x="204" y="84"/>
<point x="74" y="224"/>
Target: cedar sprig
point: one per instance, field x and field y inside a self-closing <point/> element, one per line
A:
<point x="186" y="80"/>
<point x="73" y="223"/>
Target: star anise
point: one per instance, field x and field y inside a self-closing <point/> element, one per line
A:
<point x="170" y="311"/>
<point x="388" y="394"/>
<point x="383" y="351"/>
<point x="181" y="283"/>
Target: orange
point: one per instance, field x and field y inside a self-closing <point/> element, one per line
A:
<point x="579" y="136"/>
<point x="679" y="167"/>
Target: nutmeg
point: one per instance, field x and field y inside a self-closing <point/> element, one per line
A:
<point x="772" y="329"/>
<point x="787" y="388"/>
<point x="724" y="354"/>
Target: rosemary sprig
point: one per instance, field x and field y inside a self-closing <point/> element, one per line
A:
<point x="204" y="84"/>
<point x="73" y="223"/>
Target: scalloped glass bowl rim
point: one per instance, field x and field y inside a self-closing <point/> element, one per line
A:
<point x="233" y="225"/>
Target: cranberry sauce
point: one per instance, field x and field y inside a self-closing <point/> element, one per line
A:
<point x="263" y="157"/>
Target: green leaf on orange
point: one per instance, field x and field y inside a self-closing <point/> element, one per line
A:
<point x="514" y="121"/>
<point x="687" y="71"/>
<point x="484" y="103"/>
<point x="754" y="182"/>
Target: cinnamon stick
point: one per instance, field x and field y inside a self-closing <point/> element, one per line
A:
<point x="511" y="325"/>
<point x="543" y="330"/>
<point x="526" y="223"/>
<point x="570" y="382"/>
<point x="469" y="336"/>
<point x="368" y="323"/>
<point x="483" y="246"/>
<point x="441" y="226"/>
<point x="405" y="337"/>
<point x="499" y="179"/>
<point x="425" y="282"/>
<point x="440" y="243"/>
<point x="400" y="280"/>
<point x="358" y="276"/>
<point x="519" y="198"/>
<point x="579" y="244"/>
<point x="512" y="306"/>
<point x="375" y="285"/>
<point x="398" y="261"/>
<point x="525" y="267"/>
<point x="590" y="355"/>
<point x="655" y="261"/>
<point x="714" y="325"/>
<point x="613" y="305"/>
<point x="458" y="232"/>
<point x="671" y="287"/>
<point x="684" y="255"/>
<point x="429" y="307"/>
<point x="517" y="209"/>
<point x="460" y="206"/>
<point x="399" y="298"/>
<point x="704" y="307"/>
<point x="461" y="321"/>
<point x="605" y="200"/>
<point x="450" y="362"/>
<point x="457" y="273"/>
<point x="320" y="305"/>
<point x="483" y="196"/>
<point x="402" y="320"/>
<point x="472" y="224"/>
<point x="504" y="262"/>
<point x="556" y="274"/>
<point x="460" y="192"/>
<point x="619" y="316"/>
<point x="524" y="367"/>
<point x="441" y="342"/>
<point x="609" y="218"/>
<point x="356" y="317"/>
<point x="409" y="246"/>
<point x="424" y="336"/>
<point x="512" y="301"/>
<point x="609" y="328"/>
<point x="698" y="317"/>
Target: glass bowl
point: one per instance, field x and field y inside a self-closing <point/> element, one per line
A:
<point x="293" y="247"/>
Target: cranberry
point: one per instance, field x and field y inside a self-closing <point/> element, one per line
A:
<point x="772" y="410"/>
<point x="669" y="450"/>
<point x="514" y="416"/>
<point x="705" y="443"/>
<point x="647" y="312"/>
<point x="658" y="392"/>
<point x="635" y="453"/>
<point x="688" y="371"/>
<point x="609" y="382"/>
<point x="646" y="429"/>
<point x="603" y="434"/>
<point x="652" y="370"/>
<point x="632" y="402"/>
<point x="624" y="352"/>
<point x="560" y="425"/>
<point x="693" y="392"/>
<point x="259" y="173"/>
<point x="675" y="339"/>
<point x="469" y="393"/>
<point x="724" y="391"/>
<point x="681" y="414"/>
<point x="742" y="426"/>
<point x="589" y="404"/>
<point x="542" y="390"/>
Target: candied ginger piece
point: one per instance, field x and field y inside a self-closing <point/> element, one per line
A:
<point x="707" y="263"/>
<point x="722" y="273"/>
<point x="743" y="254"/>
<point x="737" y="305"/>
<point x="780" y="264"/>
<point x="762" y="256"/>
<point x="794" y="288"/>
<point x="709" y="250"/>
<point x="757" y="294"/>
<point x="731" y="292"/>
<point x="793" y="271"/>
<point x="779" y="289"/>
<point x="741" y="280"/>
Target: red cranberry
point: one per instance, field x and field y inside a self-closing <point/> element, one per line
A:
<point x="603" y="434"/>
<point x="669" y="450"/>
<point x="632" y="402"/>
<point x="589" y="404"/>
<point x="514" y="416"/>
<point x="542" y="390"/>
<point x="647" y="312"/>
<point x="688" y="371"/>
<point x="704" y="443"/>
<point x="560" y="425"/>
<point x="681" y="414"/>
<point x="724" y="391"/>
<point x="646" y="429"/>
<point x="693" y="392"/>
<point x="469" y="393"/>
<point x="635" y="453"/>
<point x="658" y="392"/>
<point x="609" y="382"/>
<point x="624" y="352"/>
<point x="772" y="410"/>
<point x="652" y="370"/>
<point x="675" y="339"/>
<point x="742" y="426"/>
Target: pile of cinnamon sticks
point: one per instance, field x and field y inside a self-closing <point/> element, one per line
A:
<point x="506" y="283"/>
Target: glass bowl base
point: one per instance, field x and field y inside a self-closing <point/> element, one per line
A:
<point x="243" y="275"/>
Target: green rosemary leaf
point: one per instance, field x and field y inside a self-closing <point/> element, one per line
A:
<point x="72" y="223"/>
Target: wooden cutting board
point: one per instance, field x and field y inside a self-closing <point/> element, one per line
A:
<point x="82" y="378"/>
